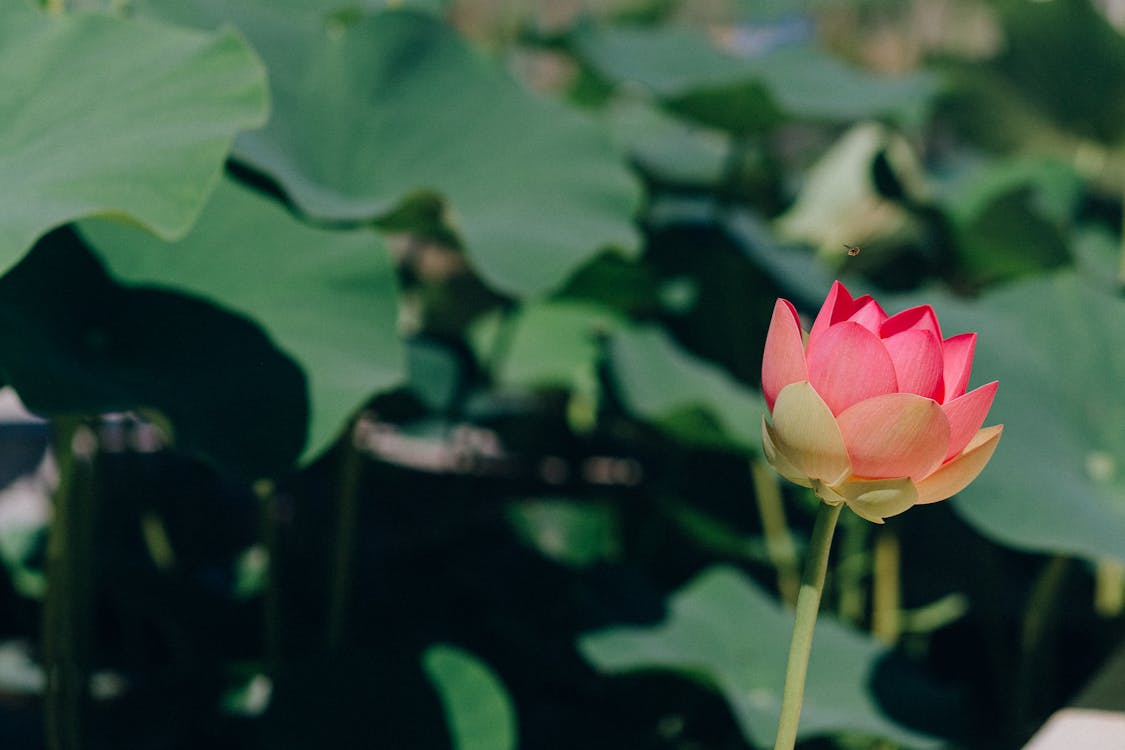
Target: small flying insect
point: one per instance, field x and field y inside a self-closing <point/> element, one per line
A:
<point x="853" y="250"/>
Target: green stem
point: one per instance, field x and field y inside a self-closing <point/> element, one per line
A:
<point x="349" y="482"/>
<point x="886" y="607"/>
<point x="1036" y="644"/>
<point x="502" y="340"/>
<point x="1121" y="268"/>
<point x="852" y="567"/>
<point x="1109" y="588"/>
<point x="271" y="603"/>
<point x="67" y="612"/>
<point x="779" y="543"/>
<point x="808" y="603"/>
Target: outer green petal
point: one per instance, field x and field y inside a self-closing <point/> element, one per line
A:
<point x="805" y="431"/>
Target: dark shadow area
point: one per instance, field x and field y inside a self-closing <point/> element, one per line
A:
<point x="74" y="341"/>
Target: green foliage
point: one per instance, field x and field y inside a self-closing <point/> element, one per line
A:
<point x="549" y="343"/>
<point x="327" y="299"/>
<point x="1011" y="216"/>
<point x="19" y="545"/>
<point x="75" y="341"/>
<point x="573" y="533"/>
<point x="667" y="146"/>
<point x="693" y="400"/>
<point x="112" y="116"/>
<point x="751" y="93"/>
<point x="1056" y="483"/>
<point x="705" y="637"/>
<point x="477" y="706"/>
<point x="1039" y="36"/>
<point x="532" y="188"/>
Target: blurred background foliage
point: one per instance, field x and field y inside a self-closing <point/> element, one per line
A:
<point x="400" y="361"/>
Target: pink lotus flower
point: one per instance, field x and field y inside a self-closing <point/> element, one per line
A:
<point x="872" y="410"/>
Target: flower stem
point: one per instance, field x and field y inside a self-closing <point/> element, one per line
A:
<point x="808" y="602"/>
<point x="271" y="599"/>
<point x="1037" y="644"/>
<point x="1109" y="588"/>
<point x="886" y="591"/>
<point x="349" y="481"/>
<point x="68" y="610"/>
<point x="779" y="543"/>
<point x="853" y="563"/>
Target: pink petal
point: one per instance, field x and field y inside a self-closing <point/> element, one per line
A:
<point x="966" y="414"/>
<point x="958" y="473"/>
<point x="836" y="308"/>
<point x="897" y="435"/>
<point x="868" y="314"/>
<point x="958" y="363"/>
<point x="783" y="361"/>
<point x="806" y="434"/>
<point x="917" y="355"/>
<point x="921" y="318"/>
<point x="839" y="306"/>
<point x="848" y="363"/>
<point x="877" y="499"/>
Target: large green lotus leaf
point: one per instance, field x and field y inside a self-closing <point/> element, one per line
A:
<point x="1097" y="256"/>
<point x="103" y="115"/>
<point x="477" y="707"/>
<point x="1057" y="480"/>
<point x="327" y="298"/>
<point x="1050" y="46"/>
<point x="1008" y="215"/>
<point x="74" y="341"/>
<point x="1055" y="187"/>
<point x="685" y="396"/>
<point x="801" y="79"/>
<point x="371" y="111"/>
<point x="551" y="343"/>
<point x="723" y="629"/>
<point x="669" y="148"/>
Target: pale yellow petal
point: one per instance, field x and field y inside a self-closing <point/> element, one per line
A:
<point x="876" y="499"/>
<point x="826" y="493"/>
<point x="958" y="473"/>
<point x="805" y="431"/>
<point x="780" y="463"/>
